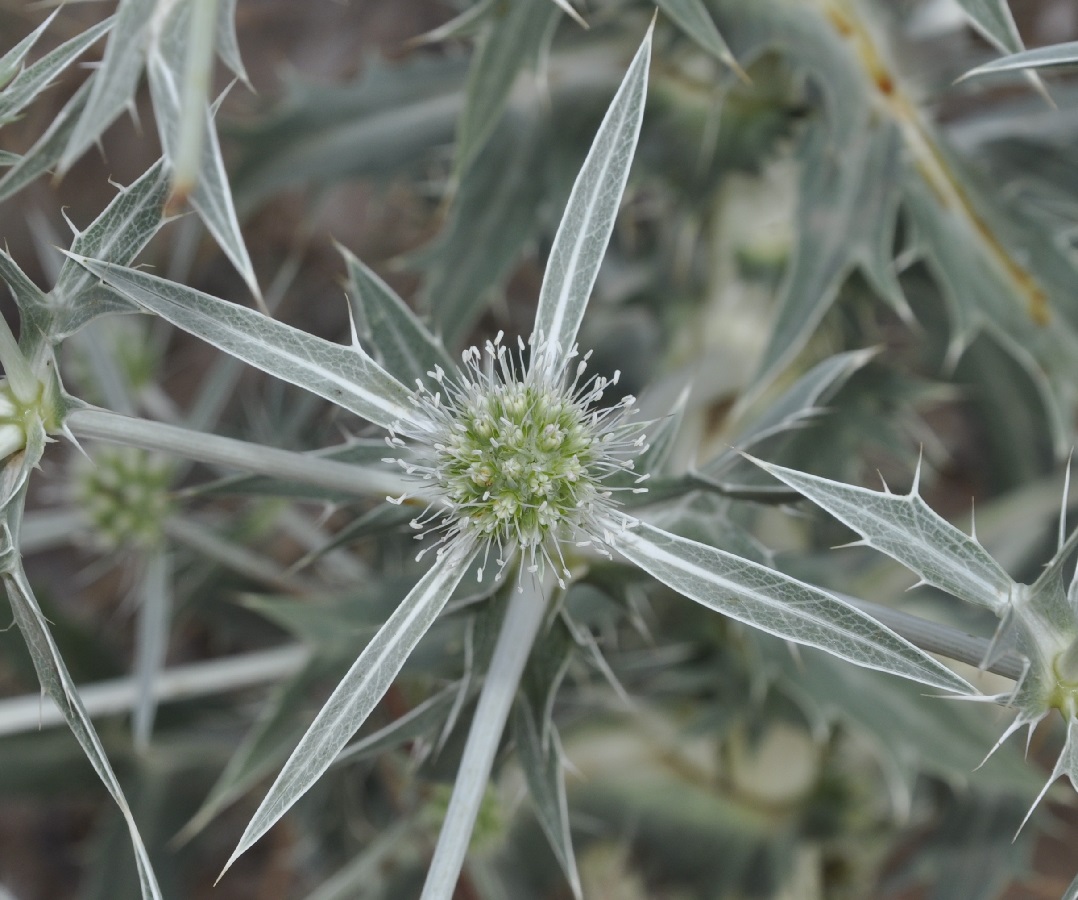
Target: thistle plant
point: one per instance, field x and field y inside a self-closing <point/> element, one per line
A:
<point x="580" y="540"/>
<point x="512" y="458"/>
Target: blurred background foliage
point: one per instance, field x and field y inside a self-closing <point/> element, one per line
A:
<point x="831" y="252"/>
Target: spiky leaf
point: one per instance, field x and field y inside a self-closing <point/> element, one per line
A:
<point x="905" y="528"/>
<point x="582" y="237"/>
<point x="344" y="375"/>
<point x="357" y="694"/>
<point x="776" y="603"/>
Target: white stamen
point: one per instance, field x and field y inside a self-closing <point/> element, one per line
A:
<point x="520" y="456"/>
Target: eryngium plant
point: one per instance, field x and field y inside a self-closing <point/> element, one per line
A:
<point x="512" y="461"/>
<point x="513" y="457"/>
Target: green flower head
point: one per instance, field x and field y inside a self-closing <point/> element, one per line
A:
<point x="519" y="457"/>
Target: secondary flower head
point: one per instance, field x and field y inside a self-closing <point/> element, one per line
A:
<point x="520" y="457"/>
<point x="125" y="493"/>
<point x="12" y="424"/>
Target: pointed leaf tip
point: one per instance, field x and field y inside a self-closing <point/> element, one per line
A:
<point x="570" y="11"/>
<point x="1052" y="56"/>
<point x="695" y="21"/>
<point x="588" y="221"/>
<point x="909" y="531"/>
<point x="361" y="689"/>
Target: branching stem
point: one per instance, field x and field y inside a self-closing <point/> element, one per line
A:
<point x="348" y="478"/>
<point x="523" y="618"/>
<point x="943" y="640"/>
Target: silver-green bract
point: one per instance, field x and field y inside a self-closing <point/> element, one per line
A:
<point x="350" y="377"/>
<point x="1039" y="621"/>
<point x="1051" y="57"/>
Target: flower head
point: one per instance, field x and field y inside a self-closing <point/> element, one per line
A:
<point x="519" y="457"/>
<point x="125" y="494"/>
<point x="27" y="406"/>
<point x="12" y="421"/>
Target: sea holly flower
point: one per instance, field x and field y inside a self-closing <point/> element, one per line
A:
<point x="518" y="457"/>
<point x="30" y="406"/>
<point x="12" y="421"/>
<point x="514" y="455"/>
<point x="124" y="492"/>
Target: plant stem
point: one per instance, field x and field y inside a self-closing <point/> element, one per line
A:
<point x="523" y="617"/>
<point x="230" y="453"/>
<point x="30" y="712"/>
<point x="154" y="622"/>
<point x="195" y="98"/>
<point x="203" y="539"/>
<point x="938" y="638"/>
